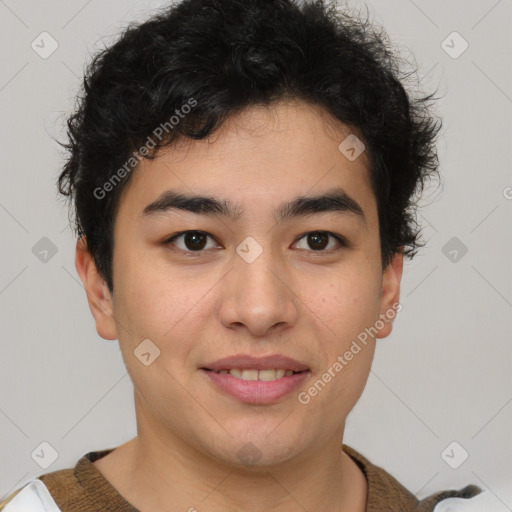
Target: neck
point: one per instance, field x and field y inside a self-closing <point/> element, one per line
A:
<point x="159" y="471"/>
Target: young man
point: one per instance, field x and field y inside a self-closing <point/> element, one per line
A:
<point x="242" y="174"/>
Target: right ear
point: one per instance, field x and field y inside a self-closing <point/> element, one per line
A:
<point x="98" y="294"/>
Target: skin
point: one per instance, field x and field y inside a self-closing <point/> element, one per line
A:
<point x="292" y="300"/>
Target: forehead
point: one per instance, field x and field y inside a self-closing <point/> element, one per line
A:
<point x="258" y="157"/>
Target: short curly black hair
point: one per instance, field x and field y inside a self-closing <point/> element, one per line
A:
<point x="227" y="55"/>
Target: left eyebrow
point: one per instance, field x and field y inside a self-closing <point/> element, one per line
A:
<point x="334" y="200"/>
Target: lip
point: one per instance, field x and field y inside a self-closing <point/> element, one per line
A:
<point x="248" y="362"/>
<point x="255" y="391"/>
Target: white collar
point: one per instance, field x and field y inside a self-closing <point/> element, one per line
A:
<point x="33" y="497"/>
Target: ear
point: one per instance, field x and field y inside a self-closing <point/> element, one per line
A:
<point x="389" y="302"/>
<point x="98" y="294"/>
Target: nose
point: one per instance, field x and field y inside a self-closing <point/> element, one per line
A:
<point x="259" y="297"/>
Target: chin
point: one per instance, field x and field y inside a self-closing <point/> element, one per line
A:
<point x="258" y="452"/>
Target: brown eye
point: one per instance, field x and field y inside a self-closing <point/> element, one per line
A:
<point x="319" y="240"/>
<point x="191" y="241"/>
<point x="194" y="241"/>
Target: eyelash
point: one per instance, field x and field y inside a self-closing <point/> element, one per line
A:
<point x="341" y="240"/>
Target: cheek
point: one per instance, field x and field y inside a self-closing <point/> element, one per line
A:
<point x="343" y="312"/>
<point x="346" y="304"/>
<point x="170" y="309"/>
<point x="151" y="299"/>
<point x="163" y="310"/>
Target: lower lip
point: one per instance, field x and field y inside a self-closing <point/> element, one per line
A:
<point x="256" y="391"/>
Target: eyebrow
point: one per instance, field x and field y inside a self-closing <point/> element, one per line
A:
<point x="333" y="200"/>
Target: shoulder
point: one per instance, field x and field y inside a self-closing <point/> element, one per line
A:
<point x="51" y="492"/>
<point x="386" y="493"/>
<point x="467" y="499"/>
<point x="33" y="496"/>
<point x="74" y="489"/>
<point x="482" y="502"/>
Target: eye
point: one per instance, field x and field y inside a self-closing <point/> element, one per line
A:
<point x="319" y="240"/>
<point x="191" y="241"/>
<point x="197" y="241"/>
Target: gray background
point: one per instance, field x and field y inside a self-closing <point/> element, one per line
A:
<point x="444" y="373"/>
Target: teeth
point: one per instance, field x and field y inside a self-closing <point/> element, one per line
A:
<point x="267" y="375"/>
<point x="263" y="375"/>
<point x="249" y="374"/>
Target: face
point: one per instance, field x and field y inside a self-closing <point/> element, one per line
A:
<point x="258" y="279"/>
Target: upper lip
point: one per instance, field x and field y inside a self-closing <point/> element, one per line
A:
<point x="248" y="362"/>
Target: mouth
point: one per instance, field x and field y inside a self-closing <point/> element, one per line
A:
<point x="255" y="380"/>
<point x="267" y="364"/>
<point x="253" y="374"/>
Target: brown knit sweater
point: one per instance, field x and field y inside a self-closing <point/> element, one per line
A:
<point x="85" y="489"/>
